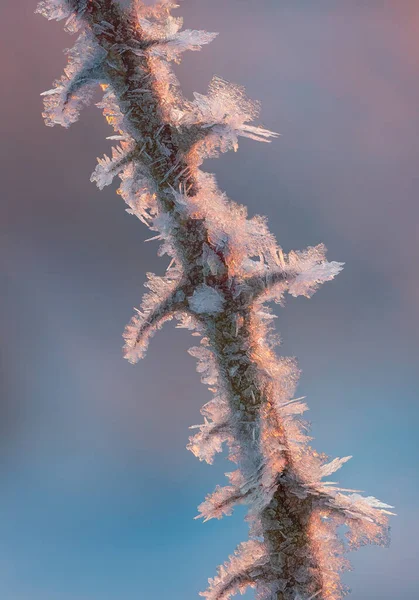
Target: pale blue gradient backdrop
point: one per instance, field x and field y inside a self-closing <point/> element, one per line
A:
<point x="97" y="491"/>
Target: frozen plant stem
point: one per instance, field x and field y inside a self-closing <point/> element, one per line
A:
<point x="224" y="269"/>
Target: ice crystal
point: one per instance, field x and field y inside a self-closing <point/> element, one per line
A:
<point x="214" y="431"/>
<point x="206" y="300"/>
<point x="239" y="573"/>
<point x="138" y="191"/>
<point x="168" y="41"/>
<point x="54" y="9"/>
<point x="75" y="88"/>
<point x="223" y="114"/>
<point x="156" y="308"/>
<point x="306" y="282"/>
<point x="108" y="168"/>
<point x="333" y="466"/>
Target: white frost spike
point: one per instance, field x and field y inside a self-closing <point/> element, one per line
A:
<point x="63" y="103"/>
<point x="187" y="321"/>
<point x="107" y="168"/>
<point x="239" y="573"/>
<point x="113" y="114"/>
<point x="315" y="595"/>
<point x="240" y="491"/>
<point x="207" y="365"/>
<point x="118" y="137"/>
<point x="206" y="300"/>
<point x="168" y="41"/>
<point x="225" y="113"/>
<point x="157" y="24"/>
<point x="172" y="48"/>
<point x="51" y="92"/>
<point x="292" y="408"/>
<point x="219" y="504"/>
<point x="366" y="518"/>
<point x="158" y="307"/>
<point x="180" y="198"/>
<point x="363" y="504"/>
<point x="138" y="191"/>
<point x="257" y="133"/>
<point x="333" y="466"/>
<point x="208" y="442"/>
<point x="300" y="273"/>
<point x="306" y="282"/>
<point x="215" y="430"/>
<point x="54" y="9"/>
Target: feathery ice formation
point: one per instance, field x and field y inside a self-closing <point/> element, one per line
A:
<point x="224" y="268"/>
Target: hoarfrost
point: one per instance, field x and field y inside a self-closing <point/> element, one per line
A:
<point x="108" y="168"/>
<point x="139" y="192"/>
<point x="185" y="40"/>
<point x="220" y="503"/>
<point x="223" y="264"/>
<point x="157" y="307"/>
<point x="206" y="300"/>
<point x="224" y="114"/>
<point x="236" y="574"/>
<point x="207" y="364"/>
<point x="170" y="42"/>
<point x="54" y="9"/>
<point x="215" y="430"/>
<point x="312" y="273"/>
<point x="333" y="466"/>
<point x="63" y="103"/>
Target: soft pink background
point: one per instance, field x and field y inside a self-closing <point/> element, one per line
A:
<point x="97" y="492"/>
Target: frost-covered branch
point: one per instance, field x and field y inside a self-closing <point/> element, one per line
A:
<point x="224" y="269"/>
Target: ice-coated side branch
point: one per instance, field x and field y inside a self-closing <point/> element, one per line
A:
<point x="225" y="267"/>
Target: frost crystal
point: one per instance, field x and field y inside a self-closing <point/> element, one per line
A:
<point x="239" y="573"/>
<point x="308" y="280"/>
<point x="170" y="42"/>
<point x="157" y="307"/>
<point x="333" y="466"/>
<point x="216" y="429"/>
<point x="223" y="114"/>
<point x="75" y="88"/>
<point x="55" y="9"/>
<point x="206" y="300"/>
<point x="107" y="167"/>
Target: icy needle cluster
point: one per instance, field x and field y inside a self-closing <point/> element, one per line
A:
<point x="224" y="269"/>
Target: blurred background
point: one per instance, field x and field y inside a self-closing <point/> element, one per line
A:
<point x="97" y="490"/>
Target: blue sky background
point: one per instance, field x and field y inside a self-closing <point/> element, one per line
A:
<point x="97" y="491"/>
